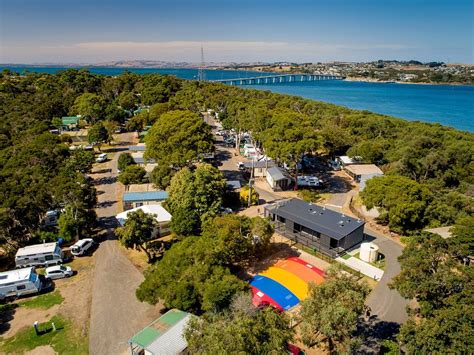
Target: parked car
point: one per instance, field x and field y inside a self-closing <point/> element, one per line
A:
<point x="58" y="272"/>
<point x="226" y="210"/>
<point x="82" y="246"/>
<point x="101" y="158"/>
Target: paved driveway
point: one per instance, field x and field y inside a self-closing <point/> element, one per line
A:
<point x="116" y="314"/>
<point x="387" y="304"/>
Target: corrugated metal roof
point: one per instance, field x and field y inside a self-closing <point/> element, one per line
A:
<point x="161" y="215"/>
<point x="157" y="328"/>
<point x="70" y="120"/>
<point x="259" y="164"/>
<point x="317" y="218"/>
<point x="276" y="173"/>
<point x="145" y="196"/>
<point x="37" y="249"/>
<point x="234" y="184"/>
<point x="172" y="341"/>
<point x="137" y="148"/>
<point x="145" y="337"/>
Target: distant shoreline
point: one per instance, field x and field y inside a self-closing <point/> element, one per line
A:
<point x="364" y="80"/>
<point x="191" y="67"/>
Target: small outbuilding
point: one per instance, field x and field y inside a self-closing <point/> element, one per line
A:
<point x="162" y="217"/>
<point x="164" y="335"/>
<point x="363" y="172"/>
<point x="278" y="179"/>
<point x="259" y="167"/>
<point x="135" y="198"/>
<point x="69" y="123"/>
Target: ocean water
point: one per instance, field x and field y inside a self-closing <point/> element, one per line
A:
<point x="450" y="105"/>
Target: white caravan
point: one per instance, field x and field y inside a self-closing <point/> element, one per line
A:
<point x="45" y="254"/>
<point x="16" y="283"/>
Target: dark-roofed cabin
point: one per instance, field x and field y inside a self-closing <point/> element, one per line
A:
<point x="315" y="226"/>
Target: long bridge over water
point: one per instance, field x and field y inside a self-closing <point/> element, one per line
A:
<point x="279" y="79"/>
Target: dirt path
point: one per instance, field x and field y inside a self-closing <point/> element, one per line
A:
<point x="116" y="314"/>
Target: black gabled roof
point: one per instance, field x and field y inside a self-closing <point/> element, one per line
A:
<point x="317" y="218"/>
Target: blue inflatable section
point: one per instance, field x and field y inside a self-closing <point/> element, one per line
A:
<point x="280" y="294"/>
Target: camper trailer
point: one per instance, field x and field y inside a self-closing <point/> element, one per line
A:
<point x="16" y="283"/>
<point x="45" y="254"/>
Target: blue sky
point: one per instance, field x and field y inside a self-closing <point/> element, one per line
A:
<point x="84" y="31"/>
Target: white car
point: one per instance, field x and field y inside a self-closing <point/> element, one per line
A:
<point x="58" y="272"/>
<point x="101" y="158"/>
<point x="82" y="246"/>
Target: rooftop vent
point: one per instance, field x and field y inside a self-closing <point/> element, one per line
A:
<point x="341" y="223"/>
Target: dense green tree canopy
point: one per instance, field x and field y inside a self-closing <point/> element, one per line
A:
<point x="178" y="138"/>
<point x="137" y="231"/>
<point x="239" y="238"/>
<point x="90" y="106"/>
<point x="402" y="202"/>
<point x="435" y="276"/>
<point x="124" y="160"/>
<point x="463" y="233"/>
<point x="127" y="100"/>
<point x="242" y="330"/>
<point x="290" y="135"/>
<point x="98" y="134"/>
<point x="161" y="176"/>
<point x="429" y="274"/>
<point x="133" y="174"/>
<point x="439" y="158"/>
<point x="329" y="314"/>
<point x="80" y="161"/>
<point x="195" y="196"/>
<point x="191" y="277"/>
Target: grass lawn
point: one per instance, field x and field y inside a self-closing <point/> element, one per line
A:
<point x="346" y="256"/>
<point x="65" y="340"/>
<point x="43" y="301"/>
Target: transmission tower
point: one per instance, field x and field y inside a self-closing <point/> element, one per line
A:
<point x="201" y="67"/>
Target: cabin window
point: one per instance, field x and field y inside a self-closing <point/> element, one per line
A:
<point x="333" y="243"/>
<point x="21" y="287"/>
<point x="281" y="219"/>
<point x="48" y="257"/>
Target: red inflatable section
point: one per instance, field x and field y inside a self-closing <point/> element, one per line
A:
<point x="308" y="265"/>
<point x="259" y="299"/>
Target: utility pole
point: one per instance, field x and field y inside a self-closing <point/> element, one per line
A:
<point x="250" y="183"/>
<point x="201" y="67"/>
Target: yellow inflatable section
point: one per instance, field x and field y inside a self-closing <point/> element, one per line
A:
<point x="289" y="280"/>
